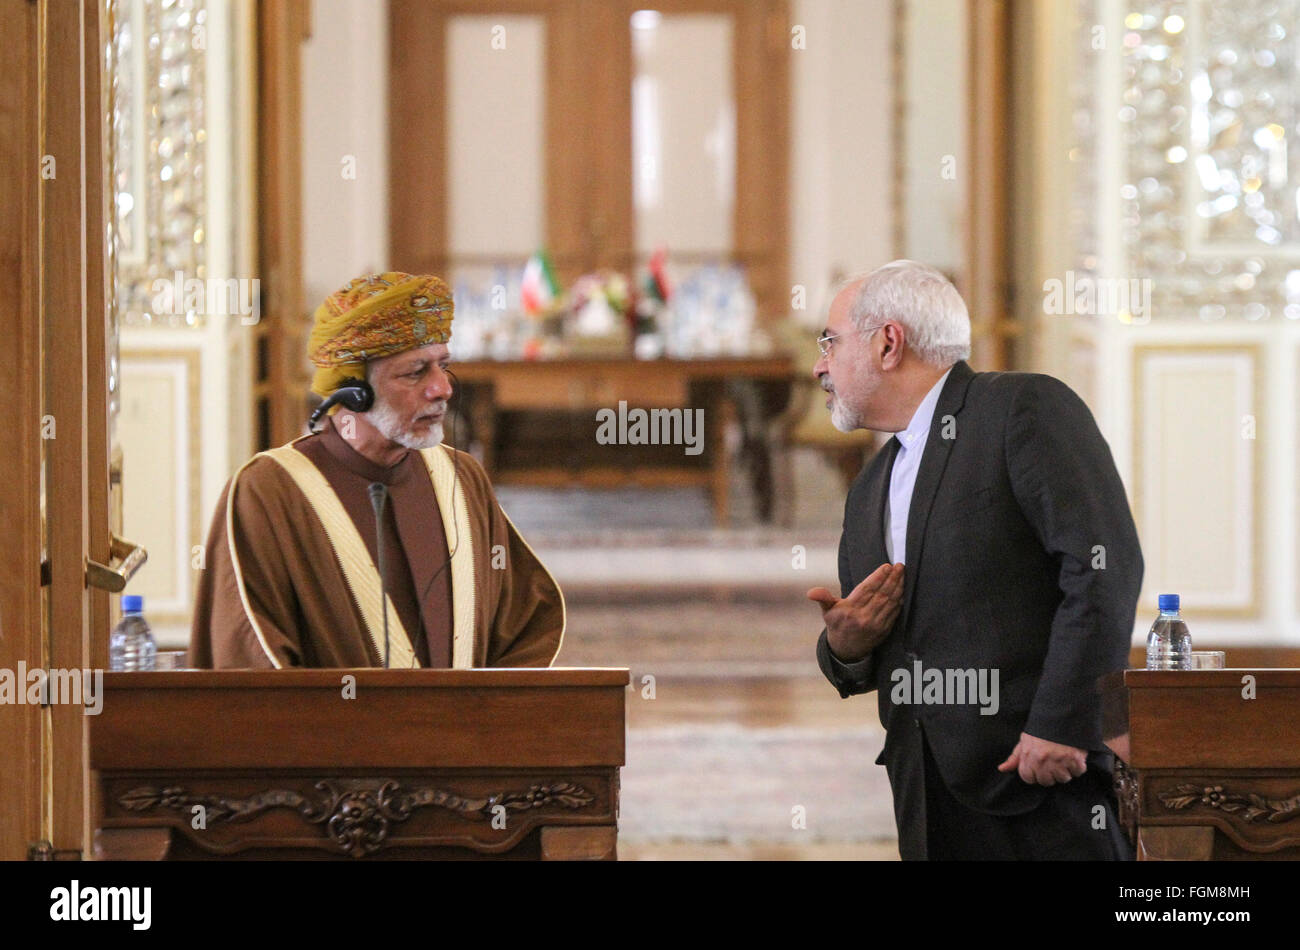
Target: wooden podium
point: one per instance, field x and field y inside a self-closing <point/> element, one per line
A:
<point x="318" y="764"/>
<point x="1211" y="762"/>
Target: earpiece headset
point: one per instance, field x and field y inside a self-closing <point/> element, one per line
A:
<point x="354" y="394"/>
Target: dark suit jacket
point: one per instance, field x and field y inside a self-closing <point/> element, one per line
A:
<point x="1008" y="517"/>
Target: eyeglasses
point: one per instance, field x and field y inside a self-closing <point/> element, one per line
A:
<point x="824" y="342"/>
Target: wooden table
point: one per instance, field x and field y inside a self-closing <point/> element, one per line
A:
<point x="350" y="763"/>
<point x="1210" y="762"/>
<point x="534" y="422"/>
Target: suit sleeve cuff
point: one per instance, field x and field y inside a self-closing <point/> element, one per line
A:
<point x="849" y="678"/>
<point x="858" y="670"/>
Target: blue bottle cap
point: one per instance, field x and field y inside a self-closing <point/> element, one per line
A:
<point x="1167" y="601"/>
<point x="132" y="604"/>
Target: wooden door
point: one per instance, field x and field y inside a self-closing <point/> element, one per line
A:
<point x="57" y="508"/>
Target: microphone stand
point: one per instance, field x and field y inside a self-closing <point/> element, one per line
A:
<point x="378" y="497"/>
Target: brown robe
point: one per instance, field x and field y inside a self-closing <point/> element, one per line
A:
<point x="305" y="615"/>
<point x="411" y="523"/>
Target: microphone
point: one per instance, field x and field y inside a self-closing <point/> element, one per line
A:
<point x="378" y="497"/>
<point x="354" y="394"/>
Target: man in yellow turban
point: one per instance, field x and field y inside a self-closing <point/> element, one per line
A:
<point x="302" y="532"/>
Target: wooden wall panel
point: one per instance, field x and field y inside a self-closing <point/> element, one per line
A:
<point x="606" y="140"/>
<point x="568" y="143"/>
<point x="988" y="246"/>
<point x="416" y="137"/>
<point x="761" y="236"/>
<point x="283" y="376"/>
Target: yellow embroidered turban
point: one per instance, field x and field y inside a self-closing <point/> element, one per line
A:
<point x="375" y="316"/>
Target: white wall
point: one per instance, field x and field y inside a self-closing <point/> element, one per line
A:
<point x="496" y="100"/>
<point x="344" y="104"/>
<point x="841" y="149"/>
<point x="1201" y="417"/>
<point x="684" y="133"/>
<point x="842" y="171"/>
<point x="934" y="136"/>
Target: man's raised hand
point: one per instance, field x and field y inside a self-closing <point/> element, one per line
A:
<point x="858" y="623"/>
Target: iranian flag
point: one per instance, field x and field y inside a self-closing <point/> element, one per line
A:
<point x="539" y="287"/>
<point x="656" y="285"/>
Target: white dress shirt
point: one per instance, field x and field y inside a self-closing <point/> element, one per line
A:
<point x="902" y="477"/>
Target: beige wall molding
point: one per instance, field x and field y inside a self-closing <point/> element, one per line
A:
<point x="1199" y="421"/>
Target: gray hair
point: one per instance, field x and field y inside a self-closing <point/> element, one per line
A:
<point x="924" y="301"/>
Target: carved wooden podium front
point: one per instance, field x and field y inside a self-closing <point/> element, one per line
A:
<point x="1211" y="762"/>
<point x="396" y="764"/>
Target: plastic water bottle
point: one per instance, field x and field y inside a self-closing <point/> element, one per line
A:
<point x="131" y="646"/>
<point x="1169" y="645"/>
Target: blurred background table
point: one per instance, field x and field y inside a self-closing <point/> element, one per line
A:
<point x="534" y="422"/>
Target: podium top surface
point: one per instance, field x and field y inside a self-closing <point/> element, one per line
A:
<point x="360" y="718"/>
<point x="1205" y="719"/>
<point x="371" y="677"/>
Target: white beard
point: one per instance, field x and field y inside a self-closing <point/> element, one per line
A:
<point x="384" y="418"/>
<point x="842" y="417"/>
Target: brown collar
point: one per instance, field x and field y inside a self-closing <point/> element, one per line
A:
<point x="356" y="463"/>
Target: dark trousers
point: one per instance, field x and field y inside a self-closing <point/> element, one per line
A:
<point x="1062" y="828"/>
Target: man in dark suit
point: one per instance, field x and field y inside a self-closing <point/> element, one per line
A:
<point x="989" y="572"/>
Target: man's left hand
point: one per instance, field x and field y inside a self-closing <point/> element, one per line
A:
<point x="1041" y="762"/>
